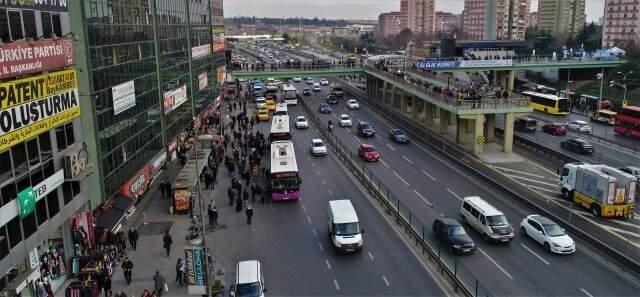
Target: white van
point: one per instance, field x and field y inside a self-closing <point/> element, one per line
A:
<point x="344" y="227"/>
<point x="486" y="219"/>
<point x="249" y="279"/>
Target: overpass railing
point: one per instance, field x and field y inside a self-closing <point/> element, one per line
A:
<point x="517" y="60"/>
<point x="296" y="67"/>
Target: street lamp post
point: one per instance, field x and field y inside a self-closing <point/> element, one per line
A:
<point x="624" y="79"/>
<point x="601" y="87"/>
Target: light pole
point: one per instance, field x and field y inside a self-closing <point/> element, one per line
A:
<point x="601" y="76"/>
<point x="624" y="79"/>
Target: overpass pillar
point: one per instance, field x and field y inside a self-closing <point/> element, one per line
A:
<point x="384" y="92"/>
<point x="444" y="121"/>
<point x="461" y="133"/>
<point x="415" y="109"/>
<point x="428" y="113"/>
<point x="490" y="127"/>
<point x="478" y="132"/>
<point x="511" y="79"/>
<point x="403" y="101"/>
<point x="508" y="133"/>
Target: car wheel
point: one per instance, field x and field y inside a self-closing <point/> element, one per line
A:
<point x="566" y="194"/>
<point x="485" y="237"/>
<point x="451" y="249"/>
<point x="595" y="210"/>
<point x="523" y="231"/>
<point x="547" y="247"/>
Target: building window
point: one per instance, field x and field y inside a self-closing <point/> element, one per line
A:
<point x="41" y="211"/>
<point x="64" y="136"/>
<point x="8" y="192"/>
<point x="4" y="242"/>
<point x="4" y="26"/>
<point x="29" y="21"/>
<point x="53" y="204"/>
<point x="57" y="24"/>
<point x="19" y="154"/>
<point x="45" y="146"/>
<point x="29" y="225"/>
<point x="5" y="166"/>
<point x="15" y="25"/>
<point x="32" y="152"/>
<point x="15" y="233"/>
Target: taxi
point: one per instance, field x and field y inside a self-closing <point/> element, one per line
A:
<point x="263" y="114"/>
<point x="270" y="104"/>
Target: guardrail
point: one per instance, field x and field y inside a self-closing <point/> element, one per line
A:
<point x="522" y="60"/>
<point x="625" y="256"/>
<point x="411" y="223"/>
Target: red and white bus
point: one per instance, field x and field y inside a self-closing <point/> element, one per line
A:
<point x="628" y="121"/>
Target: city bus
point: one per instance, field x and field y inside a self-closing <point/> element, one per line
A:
<point x="550" y="104"/>
<point x="628" y="121"/>
<point x="290" y="94"/>
<point x="604" y="116"/>
<point x="281" y="110"/>
<point x="284" y="180"/>
<point x="279" y="128"/>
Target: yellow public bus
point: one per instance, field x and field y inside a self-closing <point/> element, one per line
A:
<point x="547" y="103"/>
<point x="604" y="116"/>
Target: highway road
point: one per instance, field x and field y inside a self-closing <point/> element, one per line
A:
<point x="420" y="177"/>
<point x="291" y="239"/>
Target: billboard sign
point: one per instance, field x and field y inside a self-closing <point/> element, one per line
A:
<point x="200" y="51"/>
<point x="194" y="258"/>
<point x="24" y="57"/>
<point x="203" y="81"/>
<point x="174" y="98"/>
<point x="45" y="5"/>
<point x="36" y="104"/>
<point x="27" y="198"/>
<point x="435" y="65"/>
<point x="124" y="97"/>
<point x="218" y="42"/>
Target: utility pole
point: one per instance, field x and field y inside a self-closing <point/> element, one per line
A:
<point x="601" y="88"/>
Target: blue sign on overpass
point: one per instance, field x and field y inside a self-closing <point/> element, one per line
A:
<point x="434" y="65"/>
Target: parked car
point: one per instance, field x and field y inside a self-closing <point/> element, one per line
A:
<point x="324" y="108"/>
<point x="554" y="129"/>
<point x="398" y="136"/>
<point x="547" y="233"/>
<point x="344" y="120"/>
<point x="353" y="104"/>
<point x="317" y="147"/>
<point x="453" y="236"/>
<point x="368" y="153"/>
<point x="365" y="129"/>
<point x="578" y="145"/>
<point x="526" y="125"/>
<point x="579" y="126"/>
<point x="332" y="99"/>
<point x="306" y="92"/>
<point x="301" y="122"/>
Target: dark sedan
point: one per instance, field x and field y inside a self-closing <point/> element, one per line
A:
<point x="306" y="92"/>
<point x="398" y="136"/>
<point x="324" y="108"/>
<point x="577" y="145"/>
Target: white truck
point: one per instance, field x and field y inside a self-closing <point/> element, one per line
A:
<point x="604" y="190"/>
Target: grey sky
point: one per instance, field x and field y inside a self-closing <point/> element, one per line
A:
<point x="352" y="9"/>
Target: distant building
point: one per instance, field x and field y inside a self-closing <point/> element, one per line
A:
<point x="532" y="19"/>
<point x="561" y="17"/>
<point x="495" y="19"/>
<point x="621" y="25"/>
<point x="447" y="22"/>
<point x="418" y="15"/>
<point x="388" y="24"/>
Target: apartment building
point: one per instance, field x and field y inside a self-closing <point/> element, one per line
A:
<point x="561" y="17"/>
<point x="621" y="24"/>
<point x="418" y="15"/>
<point x="495" y="19"/>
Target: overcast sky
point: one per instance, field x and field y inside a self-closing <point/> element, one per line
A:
<point x="352" y="9"/>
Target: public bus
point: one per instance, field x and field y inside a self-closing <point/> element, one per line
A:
<point x="284" y="180"/>
<point x="281" y="110"/>
<point x="290" y="94"/>
<point x="279" y="128"/>
<point x="550" y="104"/>
<point x="628" y="121"/>
<point x="604" y="116"/>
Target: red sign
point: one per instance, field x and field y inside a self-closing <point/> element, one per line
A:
<point x="218" y="46"/>
<point x="171" y="146"/>
<point x="25" y="57"/>
<point x="137" y="185"/>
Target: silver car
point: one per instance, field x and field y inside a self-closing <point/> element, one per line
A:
<point x="579" y="126"/>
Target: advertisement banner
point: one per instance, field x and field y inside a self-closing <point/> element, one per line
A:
<point x="22" y="57"/>
<point x="218" y="42"/>
<point x="28" y="197"/>
<point x="45" y="5"/>
<point x="124" y="97"/>
<point x="200" y="51"/>
<point x="138" y="184"/>
<point x="36" y="104"/>
<point x="181" y="199"/>
<point x="429" y="65"/>
<point x="220" y="75"/>
<point x="435" y="65"/>
<point x="174" y="98"/>
<point x="202" y="81"/>
<point x="194" y="258"/>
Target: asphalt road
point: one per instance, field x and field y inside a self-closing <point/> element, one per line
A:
<point x="291" y="239"/>
<point x="420" y="177"/>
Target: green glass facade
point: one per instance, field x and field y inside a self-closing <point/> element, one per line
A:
<point x="163" y="47"/>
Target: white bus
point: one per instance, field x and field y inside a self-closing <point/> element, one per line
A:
<point x="281" y="110"/>
<point x="290" y="94"/>
<point x="279" y="128"/>
<point x="284" y="180"/>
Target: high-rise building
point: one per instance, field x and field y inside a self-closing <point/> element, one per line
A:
<point x="447" y="22"/>
<point x="495" y="19"/>
<point x="43" y="192"/>
<point x="388" y="24"/>
<point x="561" y="17"/>
<point x="532" y="19"/>
<point x="621" y="24"/>
<point x="418" y="15"/>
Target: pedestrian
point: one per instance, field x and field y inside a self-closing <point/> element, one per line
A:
<point x="135" y="235"/>
<point x="180" y="268"/>
<point x="159" y="283"/>
<point x="121" y="294"/>
<point x="162" y="190"/>
<point x="249" y="214"/>
<point x="253" y="192"/>
<point x="213" y="213"/>
<point x="167" y="242"/>
<point x="146" y="293"/>
<point x="230" y="195"/>
<point x="239" y="203"/>
<point x="130" y="238"/>
<point x="127" y="267"/>
<point x="106" y="284"/>
<point x="245" y="195"/>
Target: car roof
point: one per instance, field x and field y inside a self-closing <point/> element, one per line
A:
<point x="343" y="211"/>
<point x="579" y="140"/>
<point x="366" y="145"/>
<point x="300" y="117"/>
<point x="487" y="209"/>
<point x="579" y="122"/>
<point x="248" y="272"/>
<point x="542" y="220"/>
<point x="344" y="115"/>
<point x="449" y="221"/>
<point x="316" y="140"/>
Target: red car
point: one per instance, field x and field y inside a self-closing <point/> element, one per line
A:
<point x="368" y="153"/>
<point x="554" y="129"/>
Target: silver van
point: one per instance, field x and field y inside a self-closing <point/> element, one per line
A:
<point x="344" y="227"/>
<point x="491" y="223"/>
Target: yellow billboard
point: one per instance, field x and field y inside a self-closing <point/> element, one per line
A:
<point x="36" y="87"/>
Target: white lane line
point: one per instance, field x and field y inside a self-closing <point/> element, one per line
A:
<point x="309" y="158"/>
<point x="315" y="233"/>
<point x="327" y="262"/>
<point x="313" y="164"/>
<point x="400" y="177"/>
<point x="324" y="182"/>
<point x="371" y="256"/>
<point x="309" y="219"/>
<point x="335" y="283"/>
<point x="384" y="163"/>
<point x="407" y="159"/>
<point x="378" y="136"/>
<point x="304" y="208"/>
<point x="585" y="292"/>
<point x="533" y="253"/>
<point x="517" y="171"/>
<point x="318" y="172"/>
<point x="429" y="175"/>
<point x="542" y="189"/>
<point x="423" y="199"/>
<point x="330" y="192"/>
<point x="496" y="263"/>
<point x="348" y="131"/>
<point x="356" y="138"/>
<point x="454" y="194"/>
<point x="530" y="180"/>
<point x="386" y="281"/>
<point x="320" y="246"/>
<point x="391" y="147"/>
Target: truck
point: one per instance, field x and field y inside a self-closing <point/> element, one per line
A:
<point x="605" y="191"/>
<point x="336" y="90"/>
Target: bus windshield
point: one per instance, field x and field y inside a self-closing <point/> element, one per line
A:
<point x="281" y="183"/>
<point x="284" y="178"/>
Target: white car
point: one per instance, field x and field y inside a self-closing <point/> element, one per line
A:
<point x="317" y="89"/>
<point x="260" y="102"/>
<point x="301" y="123"/>
<point x="579" y="126"/>
<point x="297" y="79"/>
<point x="310" y="81"/>
<point x="317" y="147"/>
<point x="548" y="234"/>
<point x="344" y="120"/>
<point x="353" y="104"/>
<point x="324" y="82"/>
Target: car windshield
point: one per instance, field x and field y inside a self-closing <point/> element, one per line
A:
<point x="248" y="290"/>
<point x="398" y="132"/>
<point x="456" y="230"/>
<point x="318" y="144"/>
<point x="497" y="220"/>
<point x="553" y="230"/>
<point x="366" y="126"/>
<point x="301" y="120"/>
<point x="344" y="117"/>
<point x="369" y="149"/>
<point x="347" y="229"/>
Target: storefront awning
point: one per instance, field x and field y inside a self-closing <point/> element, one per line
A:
<point x="110" y="219"/>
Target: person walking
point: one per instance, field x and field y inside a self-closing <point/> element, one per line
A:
<point x="130" y="238"/>
<point x="136" y="236"/>
<point x="167" y="242"/>
<point x="213" y="216"/>
<point x="106" y="284"/>
<point x="230" y="195"/>
<point x="158" y="283"/>
<point x="127" y="267"/>
<point x="163" y="190"/>
<point x="249" y="212"/>
<point x="180" y="268"/>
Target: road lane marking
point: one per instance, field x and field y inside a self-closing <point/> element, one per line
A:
<point x="517" y="171"/>
<point x="330" y="192"/>
<point x="378" y="136"/>
<point x="320" y="246"/>
<point x="313" y="164"/>
<point x="534" y="253"/>
<point x="304" y="208"/>
<point x="324" y="182"/>
<point x="371" y="256"/>
<point x="496" y="263"/>
<point x="356" y="138"/>
<point x="407" y="159"/>
<point x="335" y="283"/>
<point x="423" y="199"/>
<point x="400" y="177"/>
<point x="317" y="172"/>
<point x="630" y="233"/>
<point x="386" y="282"/>
<point x="384" y="163"/>
<point x="391" y="147"/>
<point x="309" y="219"/>
<point x="585" y="292"/>
<point x="429" y="175"/>
<point x="327" y="262"/>
<point x="530" y="180"/>
<point x="542" y="189"/>
<point x="315" y="233"/>
<point x="454" y="194"/>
